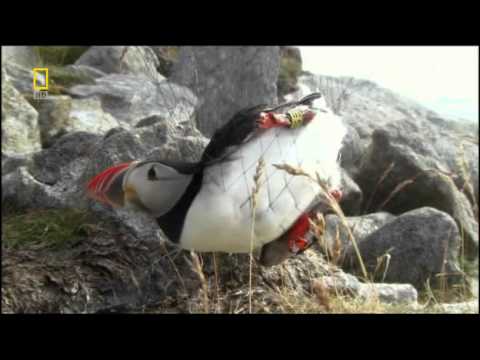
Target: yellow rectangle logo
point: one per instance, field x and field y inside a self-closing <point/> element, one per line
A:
<point x="40" y="85"/>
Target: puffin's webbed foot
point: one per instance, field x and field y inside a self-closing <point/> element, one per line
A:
<point x="269" y="120"/>
<point x="336" y="194"/>
<point x="295" y="241"/>
<point x="292" y="119"/>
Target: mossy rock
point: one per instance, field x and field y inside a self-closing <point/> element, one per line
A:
<point x="167" y="56"/>
<point x="51" y="228"/>
<point x="59" y="55"/>
<point x="61" y="78"/>
<point x="290" y="70"/>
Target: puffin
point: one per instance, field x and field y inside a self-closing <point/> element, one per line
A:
<point x="240" y="195"/>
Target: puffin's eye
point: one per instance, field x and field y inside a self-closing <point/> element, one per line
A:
<point x="152" y="175"/>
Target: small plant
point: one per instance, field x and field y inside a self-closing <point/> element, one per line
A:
<point x="58" y="55"/>
<point x="53" y="228"/>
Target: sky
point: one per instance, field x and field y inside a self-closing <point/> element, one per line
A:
<point x="442" y="78"/>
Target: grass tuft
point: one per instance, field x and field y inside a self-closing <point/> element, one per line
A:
<point x="51" y="228"/>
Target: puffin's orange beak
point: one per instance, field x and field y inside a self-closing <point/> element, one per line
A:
<point x="106" y="187"/>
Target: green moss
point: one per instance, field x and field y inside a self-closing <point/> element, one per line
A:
<point x="53" y="228"/>
<point x="61" y="78"/>
<point x="168" y="56"/>
<point x="59" y="55"/>
<point x="290" y="70"/>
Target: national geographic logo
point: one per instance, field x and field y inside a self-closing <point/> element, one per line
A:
<point x="40" y="83"/>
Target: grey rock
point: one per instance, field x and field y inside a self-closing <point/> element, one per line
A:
<point x="368" y="107"/>
<point x="226" y="79"/>
<point x="393" y="294"/>
<point x="295" y="274"/>
<point x="352" y="199"/>
<point x="22" y="55"/>
<point x="140" y="225"/>
<point x="139" y="60"/>
<point x="20" y="132"/>
<point x="389" y="293"/>
<point x="53" y="117"/>
<point x="50" y="179"/>
<point x="469" y="307"/>
<point x="86" y="70"/>
<point x="415" y="247"/>
<point x="50" y="166"/>
<point x="23" y="191"/>
<point x="12" y="162"/>
<point x="290" y="69"/>
<point x="360" y="227"/>
<point x="88" y="115"/>
<point x="352" y="151"/>
<point x="414" y="181"/>
<point x="21" y="77"/>
<point x="131" y="98"/>
<point x="167" y="57"/>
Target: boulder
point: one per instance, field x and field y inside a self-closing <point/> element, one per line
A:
<point x="60" y="78"/>
<point x="63" y="170"/>
<point x="137" y="60"/>
<point x="21" y="55"/>
<point x="468" y="307"/>
<point x="85" y="70"/>
<point x="20" y="131"/>
<point x="227" y="79"/>
<point x="352" y="198"/>
<point x="290" y="70"/>
<point x="366" y="107"/>
<point x="60" y="114"/>
<point x="340" y="283"/>
<point x="352" y="151"/>
<point x="360" y="227"/>
<point x="12" y="162"/>
<point x="50" y="178"/>
<point x="420" y="245"/>
<point x="53" y="117"/>
<point x="396" y="179"/>
<point x="167" y="57"/>
<point x="21" y="77"/>
<point x="88" y="115"/>
<point x="131" y="98"/>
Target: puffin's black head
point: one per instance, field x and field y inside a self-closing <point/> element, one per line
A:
<point x="151" y="186"/>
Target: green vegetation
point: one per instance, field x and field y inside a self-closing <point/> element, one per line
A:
<point x="290" y="70"/>
<point x="56" y="58"/>
<point x="62" y="78"/>
<point x="53" y="228"/>
<point x="59" y="55"/>
<point x="168" y="56"/>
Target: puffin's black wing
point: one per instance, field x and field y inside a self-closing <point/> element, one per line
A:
<point x="242" y="126"/>
<point x="306" y="100"/>
<point x="233" y="133"/>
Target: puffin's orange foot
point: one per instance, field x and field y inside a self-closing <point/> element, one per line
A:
<point x="336" y="194"/>
<point x="297" y="241"/>
<point x="292" y="119"/>
<point x="268" y="120"/>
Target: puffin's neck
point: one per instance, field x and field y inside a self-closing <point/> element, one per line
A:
<point x="172" y="222"/>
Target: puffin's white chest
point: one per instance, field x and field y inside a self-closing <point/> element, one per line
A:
<point x="220" y="218"/>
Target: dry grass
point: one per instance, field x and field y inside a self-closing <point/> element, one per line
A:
<point x="379" y="182"/>
<point x="197" y="266"/>
<point x="332" y="203"/>
<point x="256" y="189"/>
<point x="468" y="185"/>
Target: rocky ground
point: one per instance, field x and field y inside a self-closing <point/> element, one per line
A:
<point x="410" y="178"/>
